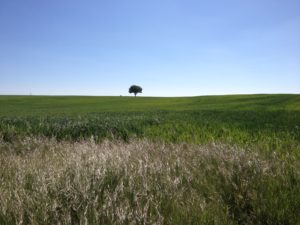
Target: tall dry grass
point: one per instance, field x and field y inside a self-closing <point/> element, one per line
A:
<point x="43" y="181"/>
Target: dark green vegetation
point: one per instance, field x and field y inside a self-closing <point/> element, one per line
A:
<point x="135" y="89"/>
<point x="258" y="185"/>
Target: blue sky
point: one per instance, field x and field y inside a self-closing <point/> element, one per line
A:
<point x="169" y="47"/>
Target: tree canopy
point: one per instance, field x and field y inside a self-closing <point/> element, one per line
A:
<point x="135" y="89"/>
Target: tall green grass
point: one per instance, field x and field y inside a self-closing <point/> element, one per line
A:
<point x="266" y="131"/>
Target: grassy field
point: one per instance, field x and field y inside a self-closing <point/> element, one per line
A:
<point x="125" y="160"/>
<point x="74" y="106"/>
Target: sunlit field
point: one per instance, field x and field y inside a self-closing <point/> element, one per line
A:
<point x="125" y="160"/>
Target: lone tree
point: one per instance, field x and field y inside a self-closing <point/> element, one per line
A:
<point x="135" y="89"/>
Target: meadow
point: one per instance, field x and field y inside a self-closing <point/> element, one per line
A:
<point x="124" y="160"/>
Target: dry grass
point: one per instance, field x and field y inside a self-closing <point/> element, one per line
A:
<point x="43" y="181"/>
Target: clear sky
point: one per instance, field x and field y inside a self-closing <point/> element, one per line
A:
<point x="169" y="47"/>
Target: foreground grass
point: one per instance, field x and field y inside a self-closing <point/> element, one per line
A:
<point x="48" y="182"/>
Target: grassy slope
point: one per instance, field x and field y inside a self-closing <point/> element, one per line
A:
<point x="46" y="105"/>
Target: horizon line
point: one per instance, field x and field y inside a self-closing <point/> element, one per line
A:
<point x="139" y="96"/>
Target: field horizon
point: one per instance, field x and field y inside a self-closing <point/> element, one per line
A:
<point x="146" y="96"/>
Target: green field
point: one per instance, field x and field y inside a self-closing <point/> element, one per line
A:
<point x="190" y="160"/>
<point x="265" y="122"/>
<point x="70" y="106"/>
